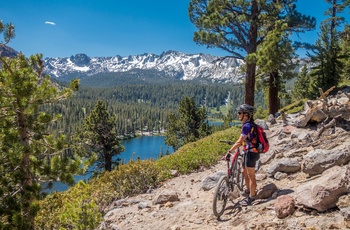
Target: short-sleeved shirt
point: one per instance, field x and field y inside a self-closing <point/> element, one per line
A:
<point x="249" y="136"/>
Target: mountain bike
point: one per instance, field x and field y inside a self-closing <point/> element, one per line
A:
<point x="228" y="183"/>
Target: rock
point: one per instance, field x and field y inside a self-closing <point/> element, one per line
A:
<point x="262" y="123"/>
<point x="168" y="204"/>
<point x="284" y="206"/>
<point x="345" y="212"/>
<point x="287" y="165"/>
<point x="166" y="197"/>
<point x="318" y="160"/>
<point x="301" y="135"/>
<point x="266" y="191"/>
<point x="293" y="153"/>
<point x="234" y="194"/>
<point x="143" y="205"/>
<point x="271" y="119"/>
<point x="288" y="129"/>
<point x="323" y="193"/>
<point x="267" y="157"/>
<point x="260" y="177"/>
<point x="121" y="202"/>
<point x="280" y="175"/>
<point x="344" y="201"/>
<point x="174" y="173"/>
<point x="343" y="101"/>
<point x="212" y="180"/>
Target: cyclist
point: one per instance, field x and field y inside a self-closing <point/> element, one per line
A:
<point x="251" y="156"/>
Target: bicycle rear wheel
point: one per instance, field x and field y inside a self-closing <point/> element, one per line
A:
<point x="221" y="196"/>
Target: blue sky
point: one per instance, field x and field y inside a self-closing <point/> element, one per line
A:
<point x="61" y="28"/>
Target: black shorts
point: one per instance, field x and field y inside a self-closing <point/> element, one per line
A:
<point x="250" y="159"/>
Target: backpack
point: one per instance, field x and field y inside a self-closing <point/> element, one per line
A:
<point x="262" y="143"/>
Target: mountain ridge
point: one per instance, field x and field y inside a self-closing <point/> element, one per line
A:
<point x="170" y="63"/>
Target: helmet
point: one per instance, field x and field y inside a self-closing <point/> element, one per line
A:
<point x="245" y="108"/>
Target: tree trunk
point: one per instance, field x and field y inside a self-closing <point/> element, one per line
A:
<point x="27" y="176"/>
<point x="252" y="46"/>
<point x="250" y="84"/>
<point x="273" y="93"/>
<point x="108" y="161"/>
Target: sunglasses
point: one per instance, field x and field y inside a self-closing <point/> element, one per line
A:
<point x="239" y="113"/>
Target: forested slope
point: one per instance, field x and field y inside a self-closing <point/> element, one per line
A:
<point x="142" y="104"/>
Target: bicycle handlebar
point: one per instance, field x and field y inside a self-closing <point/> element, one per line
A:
<point x="227" y="142"/>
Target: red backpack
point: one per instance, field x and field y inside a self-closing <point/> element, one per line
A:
<point x="262" y="143"/>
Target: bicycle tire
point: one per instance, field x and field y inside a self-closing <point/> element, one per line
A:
<point x="237" y="173"/>
<point x="220" y="196"/>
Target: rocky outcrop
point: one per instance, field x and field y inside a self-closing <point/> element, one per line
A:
<point x="325" y="107"/>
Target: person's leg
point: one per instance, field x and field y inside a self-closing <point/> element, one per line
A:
<point x="252" y="181"/>
<point x="249" y="172"/>
<point x="246" y="178"/>
<point x="245" y="175"/>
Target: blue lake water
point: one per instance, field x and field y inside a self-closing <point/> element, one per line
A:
<point x="144" y="147"/>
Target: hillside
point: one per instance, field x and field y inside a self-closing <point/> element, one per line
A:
<point x="308" y="165"/>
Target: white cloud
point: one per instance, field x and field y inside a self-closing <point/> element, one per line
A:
<point x="50" y="23"/>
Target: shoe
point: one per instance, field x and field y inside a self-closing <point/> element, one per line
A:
<point x="245" y="193"/>
<point x="247" y="201"/>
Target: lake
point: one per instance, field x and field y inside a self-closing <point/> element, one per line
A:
<point x="144" y="147"/>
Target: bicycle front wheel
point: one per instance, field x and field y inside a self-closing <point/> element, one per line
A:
<point x="221" y="196"/>
<point x="237" y="173"/>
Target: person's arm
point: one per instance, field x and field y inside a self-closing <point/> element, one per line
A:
<point x="237" y="144"/>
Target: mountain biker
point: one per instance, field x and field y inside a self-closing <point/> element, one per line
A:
<point x="251" y="156"/>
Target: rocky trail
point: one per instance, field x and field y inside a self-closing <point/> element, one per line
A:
<point x="307" y="168"/>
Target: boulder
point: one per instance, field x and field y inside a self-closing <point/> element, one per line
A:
<point x="323" y="193"/>
<point x="318" y="160"/>
<point x="262" y="123"/>
<point x="272" y="119"/>
<point x="266" y="191"/>
<point x="284" y="206"/>
<point x="212" y="180"/>
<point x="166" y="197"/>
<point x="286" y="165"/>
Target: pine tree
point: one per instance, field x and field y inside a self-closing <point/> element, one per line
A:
<point x="97" y="139"/>
<point x="240" y="26"/>
<point x="345" y="52"/>
<point x="8" y="31"/>
<point x="327" y="72"/>
<point x="28" y="153"/>
<point x="301" y="85"/>
<point x="191" y="124"/>
<point x="227" y="120"/>
<point x="275" y="60"/>
<point x="327" y="51"/>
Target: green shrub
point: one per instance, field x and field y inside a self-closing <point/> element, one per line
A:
<point x="74" y="209"/>
<point x="294" y="107"/>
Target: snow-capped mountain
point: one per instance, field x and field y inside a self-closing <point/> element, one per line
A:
<point x="171" y="64"/>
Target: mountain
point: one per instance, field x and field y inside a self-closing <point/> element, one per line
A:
<point x="169" y="64"/>
<point x="6" y="51"/>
